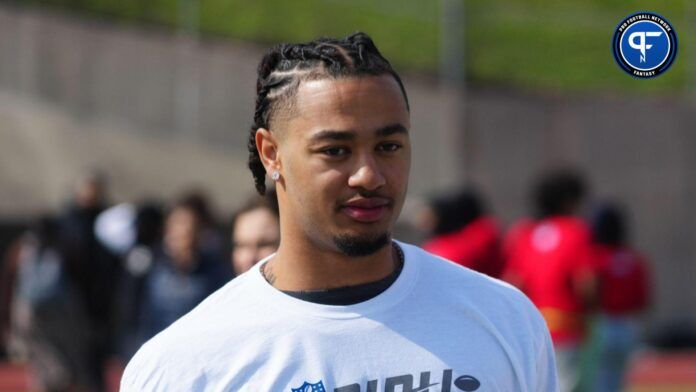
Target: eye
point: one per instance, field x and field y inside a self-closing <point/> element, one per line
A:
<point x="389" y="147"/>
<point x="335" y="151"/>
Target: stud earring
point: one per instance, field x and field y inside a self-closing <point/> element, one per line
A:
<point x="275" y="175"/>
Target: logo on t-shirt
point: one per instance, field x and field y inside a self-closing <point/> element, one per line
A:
<point x="546" y="237"/>
<point x="308" y="387"/>
<point x="404" y="382"/>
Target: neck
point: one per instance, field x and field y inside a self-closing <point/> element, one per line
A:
<point x="299" y="266"/>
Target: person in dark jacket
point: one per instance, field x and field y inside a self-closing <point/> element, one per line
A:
<point x="93" y="269"/>
<point x="173" y="279"/>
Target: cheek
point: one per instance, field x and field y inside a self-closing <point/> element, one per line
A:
<point x="313" y="181"/>
<point x="397" y="172"/>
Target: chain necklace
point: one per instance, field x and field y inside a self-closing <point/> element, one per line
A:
<point x="399" y="262"/>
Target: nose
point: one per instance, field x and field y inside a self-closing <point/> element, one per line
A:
<point x="367" y="175"/>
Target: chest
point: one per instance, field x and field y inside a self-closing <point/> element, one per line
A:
<point x="374" y="358"/>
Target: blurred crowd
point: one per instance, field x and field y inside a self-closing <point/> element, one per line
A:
<point x="96" y="281"/>
<point x="571" y="257"/>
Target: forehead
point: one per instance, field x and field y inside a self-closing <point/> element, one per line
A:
<point x="179" y="213"/>
<point x="354" y="103"/>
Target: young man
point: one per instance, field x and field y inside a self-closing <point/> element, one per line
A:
<point x="341" y="306"/>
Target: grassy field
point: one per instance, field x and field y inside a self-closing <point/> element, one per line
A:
<point x="533" y="44"/>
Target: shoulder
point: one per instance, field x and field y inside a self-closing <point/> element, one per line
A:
<point x="454" y="283"/>
<point x="497" y="305"/>
<point x="148" y="369"/>
<point x="179" y="356"/>
<point x="572" y="226"/>
<point x="433" y="267"/>
<point x="486" y="224"/>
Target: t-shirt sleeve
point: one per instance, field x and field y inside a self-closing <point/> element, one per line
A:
<point x="144" y="373"/>
<point x="164" y="364"/>
<point x="547" y="379"/>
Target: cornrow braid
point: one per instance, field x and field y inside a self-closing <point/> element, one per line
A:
<point x="283" y="68"/>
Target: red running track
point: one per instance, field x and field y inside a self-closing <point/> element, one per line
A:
<point x="15" y="377"/>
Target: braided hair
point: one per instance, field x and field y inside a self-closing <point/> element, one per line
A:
<point x="283" y="68"/>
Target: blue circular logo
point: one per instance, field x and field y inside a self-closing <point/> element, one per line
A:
<point x="645" y="45"/>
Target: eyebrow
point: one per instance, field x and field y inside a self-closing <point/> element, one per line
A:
<point x="347" y="135"/>
<point x="391" y="129"/>
<point x="329" y="134"/>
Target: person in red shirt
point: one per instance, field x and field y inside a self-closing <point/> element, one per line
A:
<point x="624" y="294"/>
<point x="549" y="259"/>
<point x="465" y="233"/>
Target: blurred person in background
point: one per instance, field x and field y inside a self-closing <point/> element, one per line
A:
<point x="173" y="278"/>
<point x="549" y="259"/>
<point x="255" y="232"/>
<point x="8" y="274"/>
<point x="96" y="269"/>
<point x="210" y="237"/>
<point x="49" y="323"/>
<point x="463" y="232"/>
<point x="624" y="295"/>
<point x="137" y="262"/>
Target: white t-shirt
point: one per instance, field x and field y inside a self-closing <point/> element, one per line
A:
<point x="438" y="328"/>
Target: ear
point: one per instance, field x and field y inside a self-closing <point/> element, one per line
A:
<point x="267" y="146"/>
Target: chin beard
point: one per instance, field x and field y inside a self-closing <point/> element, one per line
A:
<point x="357" y="246"/>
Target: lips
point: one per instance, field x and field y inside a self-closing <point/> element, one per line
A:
<point x="366" y="210"/>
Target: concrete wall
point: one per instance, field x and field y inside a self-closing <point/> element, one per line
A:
<point x="177" y="95"/>
<point x="44" y="149"/>
<point x="170" y="86"/>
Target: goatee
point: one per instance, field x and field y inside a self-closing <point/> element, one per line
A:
<point x="358" y="246"/>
